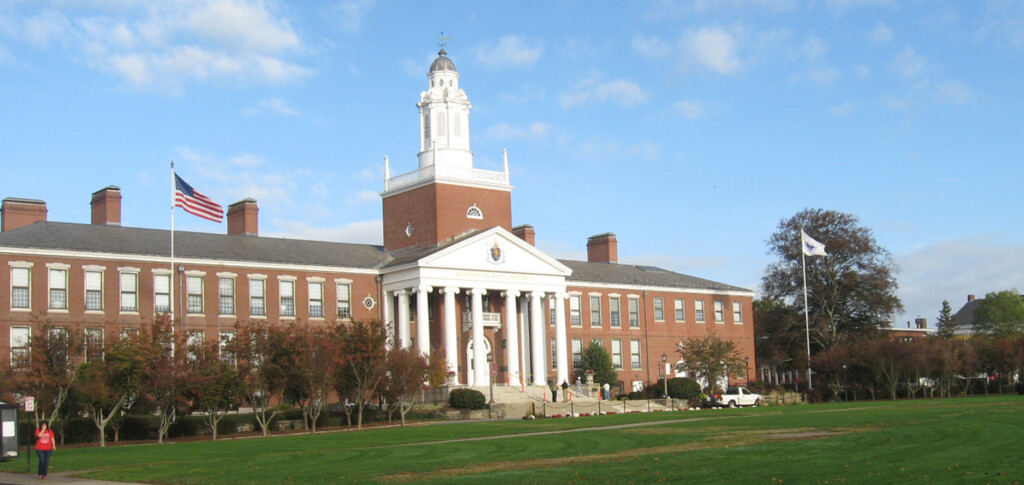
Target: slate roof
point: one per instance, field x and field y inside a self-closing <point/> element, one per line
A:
<point x="627" y="274"/>
<point x="195" y="245"/>
<point x="965" y="317"/>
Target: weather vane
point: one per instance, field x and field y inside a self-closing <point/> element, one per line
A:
<point x="443" y="41"/>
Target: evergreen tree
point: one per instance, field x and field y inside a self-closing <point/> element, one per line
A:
<point x="597" y="359"/>
<point x="946" y="324"/>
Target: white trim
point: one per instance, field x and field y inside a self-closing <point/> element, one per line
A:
<point x="316" y="279"/>
<point x="225" y="274"/>
<point x="195" y="272"/>
<point x="93" y="267"/>
<point x="128" y="269"/>
<point x="343" y="280"/>
<point x="666" y="289"/>
<point x="256" y="276"/>
<point x="63" y="266"/>
<point x="20" y="264"/>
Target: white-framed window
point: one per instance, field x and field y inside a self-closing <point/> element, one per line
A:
<point x="577" y="353"/>
<point x="551" y="312"/>
<point x="258" y="297"/>
<point x="94" y="344"/>
<point x="634" y="354"/>
<point x="737" y="312"/>
<point x="426" y="130"/>
<point x="659" y="309"/>
<point x="58" y="289"/>
<point x="554" y="353"/>
<point x="194" y="293"/>
<point x="597" y="340"/>
<point x="344" y="300"/>
<point x="698" y="310"/>
<point x="94" y="290"/>
<point x="162" y="293"/>
<point x="129" y="332"/>
<point x="680" y="310"/>
<point x="614" y="313"/>
<point x="719" y="311"/>
<point x="474" y="212"/>
<point x="287" y="298"/>
<point x="575" y="312"/>
<point x="21" y="279"/>
<point x="616" y="353"/>
<point x="595" y="311"/>
<point x="59" y="342"/>
<point x="226" y="355"/>
<point x="196" y="339"/>
<point x="634" y="313"/>
<point x="21" y="342"/>
<point x="226" y="292"/>
<point x="316" y="299"/>
<point x="130" y="291"/>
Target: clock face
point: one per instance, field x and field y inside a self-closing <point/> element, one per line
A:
<point x="408" y="230"/>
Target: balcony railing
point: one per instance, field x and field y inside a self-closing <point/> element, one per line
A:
<point x="490" y="320"/>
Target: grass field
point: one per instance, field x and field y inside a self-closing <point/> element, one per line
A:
<point x="966" y="440"/>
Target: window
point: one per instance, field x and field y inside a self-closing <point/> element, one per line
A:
<point x="344" y="300"/>
<point x="129" y="292"/>
<point x="634" y="354"/>
<point x="162" y="293"/>
<point x="737" y="312"/>
<point x="457" y="119"/>
<point x="554" y="353"/>
<point x="474" y="212"/>
<point x="227" y="296"/>
<point x="680" y="310"/>
<point x="93" y="290"/>
<point x="20" y="288"/>
<point x="58" y="289"/>
<point x="551" y="312"/>
<point x="597" y="341"/>
<point x="441" y="125"/>
<point x="316" y="299"/>
<point x="195" y="343"/>
<point x="595" y="311"/>
<point x="698" y="309"/>
<point x="226" y="355"/>
<point x="575" y="317"/>
<point x="59" y="343"/>
<point x="127" y="333"/>
<point x="634" y="313"/>
<point x="577" y="353"/>
<point x="613" y="310"/>
<point x="194" y="288"/>
<point x="93" y="344"/>
<point x="659" y="309"/>
<point x="426" y="130"/>
<point x="719" y="311"/>
<point x="21" y="339"/>
<point x="287" y="298"/>
<point x="257" y="297"/>
<point x="616" y="353"/>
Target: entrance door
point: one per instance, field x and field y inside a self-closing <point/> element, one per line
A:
<point x="469" y="361"/>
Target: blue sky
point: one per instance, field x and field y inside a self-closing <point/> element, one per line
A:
<point x="690" y="129"/>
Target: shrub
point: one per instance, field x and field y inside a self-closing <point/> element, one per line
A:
<point x="683" y="388"/>
<point x="467" y="399"/>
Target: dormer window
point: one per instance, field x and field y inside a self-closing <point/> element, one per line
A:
<point x="474" y="212"/>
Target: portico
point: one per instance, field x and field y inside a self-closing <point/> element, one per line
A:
<point x="504" y="282"/>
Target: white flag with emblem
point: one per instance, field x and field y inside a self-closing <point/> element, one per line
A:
<point x="812" y="247"/>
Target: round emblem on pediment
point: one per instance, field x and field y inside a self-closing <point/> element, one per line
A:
<point x="369" y="302"/>
<point x="408" y="230"/>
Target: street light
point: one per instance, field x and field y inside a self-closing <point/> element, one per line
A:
<point x="490" y="357"/>
<point x="664" y="370"/>
<point x="747" y="376"/>
<point x="846" y="391"/>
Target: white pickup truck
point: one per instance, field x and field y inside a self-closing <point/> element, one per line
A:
<point x="735" y="396"/>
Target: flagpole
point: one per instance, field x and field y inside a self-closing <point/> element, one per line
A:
<point x="807" y="318"/>
<point x="170" y="279"/>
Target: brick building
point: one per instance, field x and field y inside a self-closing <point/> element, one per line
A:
<point x="453" y="273"/>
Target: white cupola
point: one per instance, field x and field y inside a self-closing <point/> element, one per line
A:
<point x="444" y="118"/>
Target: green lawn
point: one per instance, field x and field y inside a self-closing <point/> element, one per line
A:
<point x="967" y="440"/>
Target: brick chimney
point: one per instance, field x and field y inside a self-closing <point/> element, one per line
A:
<point x="603" y="248"/>
<point x="970" y="298"/>
<point x="243" y="218"/>
<point x="106" y="206"/>
<point x="15" y="212"/>
<point x="921" y="322"/>
<point x="526" y="233"/>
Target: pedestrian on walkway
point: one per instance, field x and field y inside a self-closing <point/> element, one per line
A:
<point x="565" y="391"/>
<point x="607" y="392"/>
<point x="45" y="445"/>
<point x="554" y="391"/>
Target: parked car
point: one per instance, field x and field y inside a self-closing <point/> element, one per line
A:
<point x="734" y="396"/>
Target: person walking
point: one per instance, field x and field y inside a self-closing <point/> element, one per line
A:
<point x="45" y="445"/>
<point x="565" y="391"/>
<point x="554" y="391"/>
<point x="607" y="392"/>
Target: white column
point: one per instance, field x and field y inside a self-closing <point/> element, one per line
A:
<point x="423" y="320"/>
<point x="403" y="318"/>
<point x="451" y="342"/>
<point x="524" y="338"/>
<point x="512" y="339"/>
<point x="560" y="338"/>
<point x="481" y="371"/>
<point x="389" y="319"/>
<point x="537" y="333"/>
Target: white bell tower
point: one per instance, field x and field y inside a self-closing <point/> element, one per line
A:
<point x="444" y="118"/>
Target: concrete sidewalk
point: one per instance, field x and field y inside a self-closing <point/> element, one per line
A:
<point x="64" y="478"/>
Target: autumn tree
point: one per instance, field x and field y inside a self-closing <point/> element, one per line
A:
<point x="49" y="370"/>
<point x="361" y="362"/>
<point x="108" y="383"/>
<point x="314" y="354"/>
<point x="945" y="325"/>
<point x="597" y="359"/>
<point x="260" y="352"/>
<point x="213" y="387"/>
<point x="165" y="377"/>
<point x="1000" y="314"/>
<point x="850" y="291"/>
<point x="710" y="359"/>
<point x="779" y="337"/>
<point x="407" y="371"/>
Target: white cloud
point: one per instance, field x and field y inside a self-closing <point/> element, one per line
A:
<point x="361" y="232"/>
<point x="814" y="48"/>
<point x="909" y="64"/>
<point x="842" y="109"/>
<point x="349" y="14"/>
<point x="881" y="34"/>
<point x="271" y="105"/>
<point x="623" y="93"/>
<point x="690" y="109"/>
<point x="953" y="92"/>
<point x="714" y="48"/>
<point x="651" y="47"/>
<point x="822" y="76"/>
<point x="246" y="160"/>
<point x="48" y="26"/>
<point x="504" y="131"/>
<point x="510" y="51"/>
<point x="363" y="197"/>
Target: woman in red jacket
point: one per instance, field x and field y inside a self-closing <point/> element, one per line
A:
<point x="44" y="446"/>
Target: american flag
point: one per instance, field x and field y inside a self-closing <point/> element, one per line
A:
<point x="195" y="203"/>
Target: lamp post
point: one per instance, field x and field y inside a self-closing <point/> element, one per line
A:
<point x="846" y="391"/>
<point x="664" y="370"/>
<point x="747" y="375"/>
<point x="490" y="357"/>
